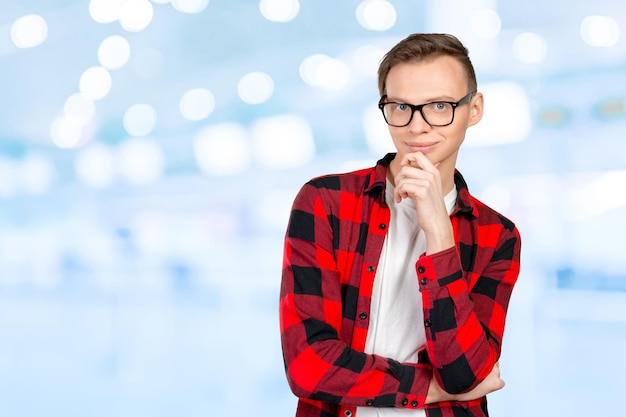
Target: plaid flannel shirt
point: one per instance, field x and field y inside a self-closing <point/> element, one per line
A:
<point x="332" y="247"/>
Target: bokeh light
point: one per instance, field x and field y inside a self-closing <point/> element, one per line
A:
<point x="114" y="52"/>
<point x="95" y="83"/>
<point x="600" y="31"/>
<point x="29" y="31"/>
<point x="190" y="6"/>
<point x="105" y="11"/>
<point x="320" y="70"/>
<point x="283" y="142"/>
<point x="223" y="149"/>
<point x="136" y="15"/>
<point x="377" y="15"/>
<point x="66" y="133"/>
<point x="79" y="109"/>
<point x="140" y="119"/>
<point x="197" y="104"/>
<point x="485" y="23"/>
<point x="279" y="10"/>
<point x="530" y="48"/>
<point x="255" y="87"/>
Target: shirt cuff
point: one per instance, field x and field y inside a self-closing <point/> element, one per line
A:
<point x="439" y="269"/>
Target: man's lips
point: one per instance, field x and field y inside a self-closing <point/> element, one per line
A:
<point x="420" y="147"/>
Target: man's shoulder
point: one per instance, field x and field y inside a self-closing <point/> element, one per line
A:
<point x="354" y="182"/>
<point x="490" y="216"/>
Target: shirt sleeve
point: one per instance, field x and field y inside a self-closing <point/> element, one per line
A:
<point x="465" y="308"/>
<point x="319" y="364"/>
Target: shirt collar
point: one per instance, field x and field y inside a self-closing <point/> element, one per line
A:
<point x="378" y="177"/>
<point x="464" y="202"/>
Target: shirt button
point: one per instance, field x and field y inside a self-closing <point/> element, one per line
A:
<point x="369" y="403"/>
<point x="428" y="323"/>
<point x="382" y="226"/>
<point x="363" y="315"/>
<point x="405" y="401"/>
<point x="414" y="403"/>
<point x="420" y="269"/>
<point x="370" y="268"/>
<point x="424" y="281"/>
<point x="348" y="413"/>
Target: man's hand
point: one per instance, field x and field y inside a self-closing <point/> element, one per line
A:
<point x="492" y="383"/>
<point x="420" y="180"/>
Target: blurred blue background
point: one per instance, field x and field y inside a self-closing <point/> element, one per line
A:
<point x="150" y="152"/>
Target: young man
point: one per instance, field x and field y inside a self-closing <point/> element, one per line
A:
<point x="396" y="281"/>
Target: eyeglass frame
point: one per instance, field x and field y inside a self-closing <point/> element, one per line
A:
<point x="415" y="107"/>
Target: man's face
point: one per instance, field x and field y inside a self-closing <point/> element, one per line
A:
<point x="439" y="79"/>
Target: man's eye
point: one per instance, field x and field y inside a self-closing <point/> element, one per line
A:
<point x="402" y="107"/>
<point x="440" y="106"/>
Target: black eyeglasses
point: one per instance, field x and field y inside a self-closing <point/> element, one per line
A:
<point x="435" y="113"/>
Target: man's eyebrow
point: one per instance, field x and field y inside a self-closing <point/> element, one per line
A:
<point x="429" y="100"/>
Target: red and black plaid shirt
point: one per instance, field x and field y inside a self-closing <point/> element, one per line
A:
<point x="332" y="248"/>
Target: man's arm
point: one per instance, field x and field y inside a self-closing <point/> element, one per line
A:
<point x="492" y="383"/>
<point x="464" y="313"/>
<point x="319" y="365"/>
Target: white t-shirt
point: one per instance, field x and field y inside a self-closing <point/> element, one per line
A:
<point x="396" y="328"/>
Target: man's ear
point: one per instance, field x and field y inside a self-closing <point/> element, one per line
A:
<point x="476" y="109"/>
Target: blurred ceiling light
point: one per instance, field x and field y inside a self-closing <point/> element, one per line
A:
<point x="105" y="11"/>
<point x="114" y="52"/>
<point x="190" y="6"/>
<point x="95" y="166"/>
<point x="366" y="59"/>
<point x="140" y="120"/>
<point x="136" y="15"/>
<point x="222" y="149"/>
<point x="197" y="104"/>
<point x="612" y="108"/>
<point x="161" y="1"/>
<point x="506" y="117"/>
<point x="29" y="31"/>
<point x="37" y="174"/>
<point x="378" y="15"/>
<point x="376" y="131"/>
<point x="485" y="23"/>
<point x="600" y="31"/>
<point x="554" y="116"/>
<point x="255" y="87"/>
<point x="320" y="70"/>
<point x="66" y="133"/>
<point x="279" y="10"/>
<point x="95" y="83"/>
<point x="283" y="142"/>
<point x="530" y="48"/>
<point x="141" y="161"/>
<point x="79" y="109"/>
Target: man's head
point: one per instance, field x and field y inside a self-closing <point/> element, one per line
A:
<point x="425" y="46"/>
<point x="429" y="99"/>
